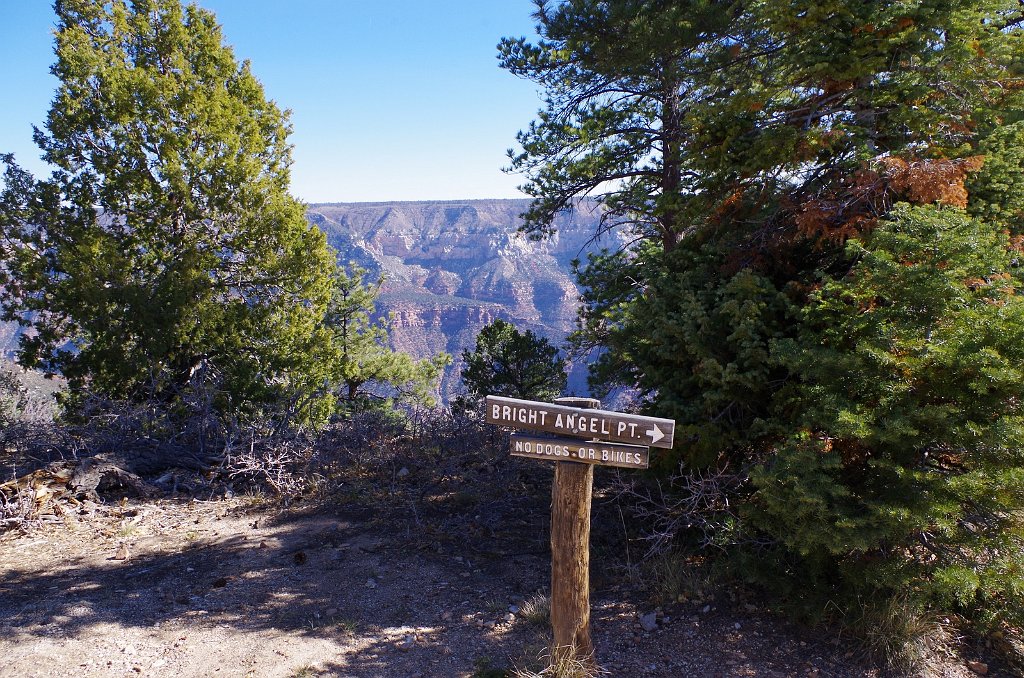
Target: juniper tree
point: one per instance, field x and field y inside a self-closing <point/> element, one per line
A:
<point x="166" y="238"/>
<point x="507" y="362"/>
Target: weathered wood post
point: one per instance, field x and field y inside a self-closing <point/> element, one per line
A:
<point x="595" y="438"/>
<point x="570" y="553"/>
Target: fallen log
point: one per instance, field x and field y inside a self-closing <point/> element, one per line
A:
<point x="76" y="480"/>
<point x="149" y="456"/>
<point x="113" y="474"/>
<point x="95" y="475"/>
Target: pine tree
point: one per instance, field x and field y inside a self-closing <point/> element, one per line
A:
<point x="907" y="424"/>
<point x="755" y="128"/>
<point x="616" y="76"/>
<point x="368" y="371"/>
<point x="166" y="238"/>
<point x="837" y="315"/>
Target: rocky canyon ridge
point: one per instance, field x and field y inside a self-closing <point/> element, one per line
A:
<point x="452" y="267"/>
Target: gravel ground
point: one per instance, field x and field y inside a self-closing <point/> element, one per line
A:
<point x="228" y="588"/>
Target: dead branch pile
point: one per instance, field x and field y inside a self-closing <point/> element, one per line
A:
<point x="694" y="502"/>
<point x="281" y="462"/>
<point x="47" y="494"/>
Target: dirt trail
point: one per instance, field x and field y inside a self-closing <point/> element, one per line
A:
<point x="224" y="588"/>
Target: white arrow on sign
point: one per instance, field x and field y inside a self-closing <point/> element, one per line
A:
<point x="655" y="434"/>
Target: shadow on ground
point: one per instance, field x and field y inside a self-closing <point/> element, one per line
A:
<point x="360" y="590"/>
<point x="380" y="596"/>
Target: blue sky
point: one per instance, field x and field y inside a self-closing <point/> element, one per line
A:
<point x="390" y="100"/>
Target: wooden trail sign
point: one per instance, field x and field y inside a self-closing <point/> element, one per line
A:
<point x="581" y="451"/>
<point x="595" y="424"/>
<point x="572" y="489"/>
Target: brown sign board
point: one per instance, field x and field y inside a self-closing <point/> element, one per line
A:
<point x="571" y="449"/>
<point x="615" y="427"/>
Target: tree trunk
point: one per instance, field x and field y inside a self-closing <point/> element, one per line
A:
<point x="672" y="161"/>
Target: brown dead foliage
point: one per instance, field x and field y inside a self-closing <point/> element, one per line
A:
<point x="855" y="206"/>
<point x="927" y="182"/>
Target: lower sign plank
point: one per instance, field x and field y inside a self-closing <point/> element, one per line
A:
<point x="567" y="449"/>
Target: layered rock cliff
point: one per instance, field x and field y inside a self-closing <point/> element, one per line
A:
<point x="452" y="267"/>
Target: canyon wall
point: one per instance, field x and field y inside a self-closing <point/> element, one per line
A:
<point x="452" y="267"/>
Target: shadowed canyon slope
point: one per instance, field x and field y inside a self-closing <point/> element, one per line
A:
<point x="452" y="267"/>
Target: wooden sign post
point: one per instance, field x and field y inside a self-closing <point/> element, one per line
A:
<point x="572" y="490"/>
